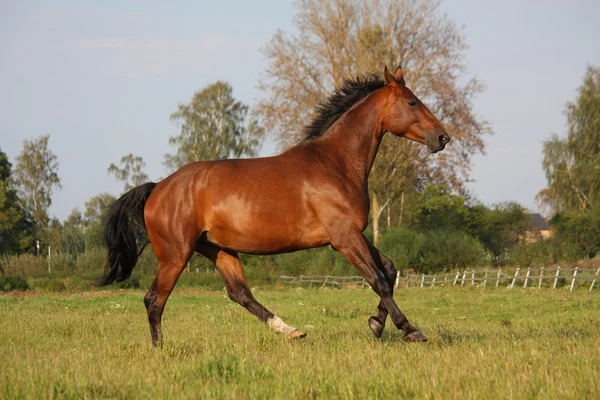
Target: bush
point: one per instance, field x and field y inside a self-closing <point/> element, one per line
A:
<point x="579" y="230"/>
<point x="535" y="253"/>
<point x="403" y="247"/>
<point x="432" y="251"/>
<point x="444" y="250"/>
<point x="12" y="283"/>
<point x="133" y="282"/>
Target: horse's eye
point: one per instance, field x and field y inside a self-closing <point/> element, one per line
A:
<point x="412" y="102"/>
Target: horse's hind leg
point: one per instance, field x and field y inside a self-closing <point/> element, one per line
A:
<point x="173" y="256"/>
<point x="230" y="268"/>
<point x="377" y="323"/>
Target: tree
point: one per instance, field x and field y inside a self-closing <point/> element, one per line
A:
<point x="15" y="226"/>
<point x="579" y="231"/>
<point x="440" y="209"/>
<point x="339" y="39"/>
<point x="499" y="228"/>
<point x="36" y="176"/>
<point x="131" y="171"/>
<point x="572" y="164"/>
<point x="214" y="126"/>
<point x="95" y="217"/>
<point x="392" y="177"/>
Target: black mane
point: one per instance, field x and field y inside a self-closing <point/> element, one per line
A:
<point x="329" y="111"/>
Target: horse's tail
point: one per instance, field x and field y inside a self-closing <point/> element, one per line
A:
<point x="124" y="215"/>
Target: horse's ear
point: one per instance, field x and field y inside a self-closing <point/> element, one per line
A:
<point x="389" y="78"/>
<point x="400" y="76"/>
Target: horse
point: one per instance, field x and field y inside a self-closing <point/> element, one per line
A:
<point x="312" y="195"/>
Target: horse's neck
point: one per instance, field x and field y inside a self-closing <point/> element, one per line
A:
<point x="356" y="136"/>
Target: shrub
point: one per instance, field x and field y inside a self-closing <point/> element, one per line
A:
<point x="542" y="253"/>
<point x="12" y="283"/>
<point x="403" y="247"/>
<point x="446" y="249"/>
<point x="133" y="282"/>
<point x="580" y="230"/>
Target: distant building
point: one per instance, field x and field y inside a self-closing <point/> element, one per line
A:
<point x="538" y="228"/>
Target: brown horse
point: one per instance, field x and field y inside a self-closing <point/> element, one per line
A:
<point x="314" y="194"/>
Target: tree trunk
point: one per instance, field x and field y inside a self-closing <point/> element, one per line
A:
<point x="375" y="217"/>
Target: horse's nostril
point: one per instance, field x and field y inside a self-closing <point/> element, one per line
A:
<point x="444" y="138"/>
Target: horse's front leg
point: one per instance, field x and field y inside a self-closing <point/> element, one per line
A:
<point x="365" y="258"/>
<point x="386" y="266"/>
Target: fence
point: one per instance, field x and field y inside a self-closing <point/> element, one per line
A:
<point x="335" y="281"/>
<point x="531" y="277"/>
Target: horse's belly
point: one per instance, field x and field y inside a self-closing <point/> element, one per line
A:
<point x="274" y="217"/>
<point x="267" y="237"/>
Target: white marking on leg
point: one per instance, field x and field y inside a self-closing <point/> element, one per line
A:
<point x="278" y="326"/>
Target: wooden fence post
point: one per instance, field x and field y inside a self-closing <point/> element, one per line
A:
<point x="422" y="280"/>
<point x="456" y="277"/>
<point x="445" y="279"/>
<point x="485" y="278"/>
<point x="462" y="283"/>
<point x="472" y="277"/>
<point x="397" y="279"/>
<point x="324" y="282"/>
<point x="541" y="278"/>
<point x="433" y="281"/>
<point x="527" y="277"/>
<point x="556" y="277"/>
<point x="573" y="280"/>
<point x="407" y="280"/>
<point x="498" y="277"/>
<point x="512" y="285"/>
<point x="594" y="280"/>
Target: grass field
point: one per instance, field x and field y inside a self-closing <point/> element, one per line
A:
<point x="482" y="344"/>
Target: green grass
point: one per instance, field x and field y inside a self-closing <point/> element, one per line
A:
<point x="483" y="344"/>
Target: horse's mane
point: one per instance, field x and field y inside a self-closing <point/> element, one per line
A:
<point x="344" y="97"/>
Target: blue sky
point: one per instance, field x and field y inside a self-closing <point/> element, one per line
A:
<point x="102" y="79"/>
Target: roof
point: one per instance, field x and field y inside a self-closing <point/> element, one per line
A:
<point x="536" y="221"/>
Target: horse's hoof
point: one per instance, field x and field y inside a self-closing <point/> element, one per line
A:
<point x="376" y="327"/>
<point x="415" y="336"/>
<point x="296" y="334"/>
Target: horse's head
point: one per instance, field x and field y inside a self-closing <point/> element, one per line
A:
<point x="407" y="116"/>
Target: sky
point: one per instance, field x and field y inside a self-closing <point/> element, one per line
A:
<point x="102" y="78"/>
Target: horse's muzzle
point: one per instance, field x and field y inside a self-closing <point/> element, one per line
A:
<point x="437" y="141"/>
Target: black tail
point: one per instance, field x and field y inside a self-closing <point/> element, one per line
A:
<point x="124" y="216"/>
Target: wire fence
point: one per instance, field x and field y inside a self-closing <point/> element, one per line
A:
<point x="553" y="277"/>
